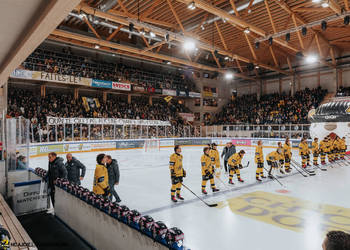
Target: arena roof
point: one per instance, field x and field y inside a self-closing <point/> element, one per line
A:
<point x="24" y="25"/>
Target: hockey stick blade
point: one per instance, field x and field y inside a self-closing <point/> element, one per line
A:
<point x="209" y="205"/>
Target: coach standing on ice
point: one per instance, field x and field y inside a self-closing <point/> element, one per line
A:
<point x="228" y="151"/>
<point x="113" y="176"/>
<point x="56" y="170"/>
<point x="73" y="166"/>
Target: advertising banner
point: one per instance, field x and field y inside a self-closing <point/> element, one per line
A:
<point x="182" y="93"/>
<point x="241" y="142"/>
<point x="170" y="92"/>
<point x="102" y="145"/>
<point x="58" y="148"/>
<point x="27" y="197"/>
<point x="73" y="147"/>
<point x="166" y="143"/>
<point x="192" y="141"/>
<point x="101" y="84"/>
<point x="106" y="121"/>
<point x="66" y="79"/>
<point x="130" y="144"/>
<point x="138" y="88"/>
<point x="121" y="86"/>
<point x="194" y="94"/>
<point x="21" y="73"/>
<point x="158" y="91"/>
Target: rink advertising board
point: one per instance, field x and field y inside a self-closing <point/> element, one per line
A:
<point x="130" y="144"/>
<point x="241" y="142"/>
<point x="28" y="198"/>
<point x="166" y="143"/>
<point x="192" y="141"/>
<point x="289" y="212"/>
<point x="58" y="148"/>
<point x="21" y="73"/>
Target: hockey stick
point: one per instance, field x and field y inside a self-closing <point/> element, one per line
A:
<point x="292" y="164"/>
<point x="246" y="165"/>
<point x="274" y="178"/>
<point x="209" y="205"/>
<point x="222" y="182"/>
<point x="296" y="164"/>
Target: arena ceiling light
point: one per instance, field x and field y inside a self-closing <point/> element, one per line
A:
<point x="310" y="59"/>
<point x="189" y="45"/>
<point x="247" y="30"/>
<point x="97" y="46"/>
<point x="152" y="34"/>
<point x="191" y="6"/>
<point x="316" y="1"/>
<point x="228" y="75"/>
<point x="325" y="4"/>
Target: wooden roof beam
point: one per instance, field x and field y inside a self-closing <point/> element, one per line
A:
<point x="203" y="44"/>
<point x="250" y="46"/>
<point x="333" y="5"/>
<point x="176" y="16"/>
<point x="115" y="32"/>
<point x="91" y="28"/>
<point x="270" y="16"/>
<point x="233" y="5"/>
<point x="220" y="35"/>
<point x="91" y="40"/>
<point x="273" y="56"/>
<point x="216" y="60"/>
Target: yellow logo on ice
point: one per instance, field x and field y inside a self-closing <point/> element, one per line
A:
<point x="289" y="212"/>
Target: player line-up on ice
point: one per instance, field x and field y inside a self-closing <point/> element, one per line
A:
<point x="332" y="146"/>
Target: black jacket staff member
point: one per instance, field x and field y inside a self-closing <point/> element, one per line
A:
<point x="56" y="170"/>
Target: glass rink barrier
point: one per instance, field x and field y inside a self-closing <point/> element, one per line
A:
<point x="84" y="132"/>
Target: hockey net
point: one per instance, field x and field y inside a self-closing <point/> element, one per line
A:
<point x="152" y="145"/>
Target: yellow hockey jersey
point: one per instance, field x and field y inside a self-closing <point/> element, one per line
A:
<point x="287" y="150"/>
<point x="259" y="155"/>
<point x="215" y="158"/>
<point x="206" y="164"/>
<point x="175" y="164"/>
<point x="323" y="146"/>
<point x="315" y="147"/>
<point x="342" y="144"/>
<point x="100" y="179"/>
<point x="234" y="160"/>
<point x="273" y="156"/>
<point x="304" y="148"/>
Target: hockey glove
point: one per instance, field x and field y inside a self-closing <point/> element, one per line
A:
<point x="207" y="173"/>
<point x="184" y="173"/>
<point x="172" y="174"/>
<point x="107" y="191"/>
<point x="240" y="166"/>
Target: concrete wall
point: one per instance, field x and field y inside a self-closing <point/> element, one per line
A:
<point x="98" y="228"/>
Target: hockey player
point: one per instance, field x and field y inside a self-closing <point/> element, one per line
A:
<point x="337" y="146"/>
<point x="207" y="171"/>
<point x="272" y="159"/>
<point x="215" y="159"/>
<point x="101" y="186"/>
<point x="177" y="173"/>
<point x="234" y="163"/>
<point x="323" y="150"/>
<point x="315" y="151"/>
<point x="281" y="160"/>
<point x="287" y="152"/>
<point x="342" y="148"/>
<point x="304" y="152"/>
<point x="259" y="160"/>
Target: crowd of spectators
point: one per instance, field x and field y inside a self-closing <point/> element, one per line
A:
<point x="343" y="91"/>
<point x="270" y="109"/>
<point x="30" y="105"/>
<point x="67" y="63"/>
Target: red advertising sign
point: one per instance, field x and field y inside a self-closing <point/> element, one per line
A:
<point x="241" y="142"/>
<point x="121" y="86"/>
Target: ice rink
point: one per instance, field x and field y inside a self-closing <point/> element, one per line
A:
<point x="249" y="215"/>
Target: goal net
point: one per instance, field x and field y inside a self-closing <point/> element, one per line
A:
<point x="152" y="145"/>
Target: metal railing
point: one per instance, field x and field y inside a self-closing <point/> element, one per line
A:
<point x="83" y="132"/>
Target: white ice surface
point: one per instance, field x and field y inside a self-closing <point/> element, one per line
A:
<point x="145" y="186"/>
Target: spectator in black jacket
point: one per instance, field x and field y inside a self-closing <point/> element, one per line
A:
<point x="228" y="150"/>
<point x="56" y="170"/>
<point x="113" y="177"/>
<point x="73" y="166"/>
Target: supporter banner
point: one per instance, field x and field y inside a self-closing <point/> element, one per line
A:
<point x="21" y="73"/>
<point x="130" y="144"/>
<point x="194" y="94"/>
<point x="101" y="84"/>
<point x="221" y="141"/>
<point x="106" y="121"/>
<point x="54" y="77"/>
<point x="242" y="142"/>
<point x="121" y="86"/>
<point x="169" y="92"/>
<point x="187" y="116"/>
<point x="209" y="92"/>
<point x="192" y="141"/>
<point x="138" y="88"/>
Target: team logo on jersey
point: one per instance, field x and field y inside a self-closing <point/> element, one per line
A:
<point x="348" y="110"/>
<point x="4" y="244"/>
